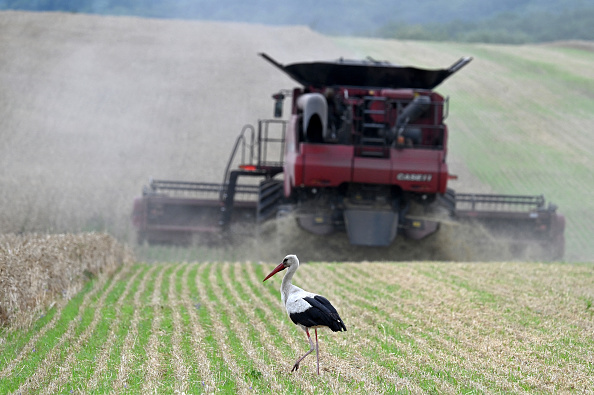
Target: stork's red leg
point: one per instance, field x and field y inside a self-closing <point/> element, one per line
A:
<point x="311" y="345"/>
<point x="317" y="352"/>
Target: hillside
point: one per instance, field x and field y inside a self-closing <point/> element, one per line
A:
<point x="91" y="107"/>
<point x="474" y="20"/>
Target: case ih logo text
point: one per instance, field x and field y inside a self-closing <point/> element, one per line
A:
<point x="413" y="177"/>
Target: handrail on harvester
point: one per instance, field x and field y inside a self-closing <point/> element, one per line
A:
<point x="241" y="139"/>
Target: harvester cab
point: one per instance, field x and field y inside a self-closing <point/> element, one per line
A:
<point x="363" y="153"/>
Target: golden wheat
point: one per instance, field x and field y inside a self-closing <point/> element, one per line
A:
<point x="36" y="270"/>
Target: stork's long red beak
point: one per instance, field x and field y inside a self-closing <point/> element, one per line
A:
<point x="276" y="270"/>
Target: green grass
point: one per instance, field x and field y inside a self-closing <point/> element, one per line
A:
<point x="126" y="314"/>
<point x="15" y="341"/>
<point x="253" y="375"/>
<point x="225" y="380"/>
<point x="135" y="379"/>
<point x="250" y="373"/>
<point x="412" y="327"/>
<point x="46" y="343"/>
<point x="194" y="379"/>
<point x="390" y="335"/>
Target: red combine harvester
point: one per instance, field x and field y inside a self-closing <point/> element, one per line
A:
<point x="364" y="153"/>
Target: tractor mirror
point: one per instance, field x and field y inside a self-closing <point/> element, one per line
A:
<point x="278" y="104"/>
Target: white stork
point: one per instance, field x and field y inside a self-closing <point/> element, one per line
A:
<point x="307" y="310"/>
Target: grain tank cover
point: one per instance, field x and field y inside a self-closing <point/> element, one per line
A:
<point x="366" y="74"/>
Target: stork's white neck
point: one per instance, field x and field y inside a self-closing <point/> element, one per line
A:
<point x="286" y="284"/>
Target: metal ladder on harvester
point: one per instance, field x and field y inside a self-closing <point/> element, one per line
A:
<point x="371" y="141"/>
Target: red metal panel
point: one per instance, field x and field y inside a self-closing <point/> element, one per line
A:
<point x="418" y="170"/>
<point x="326" y="165"/>
<point x="443" y="178"/>
<point x="371" y="170"/>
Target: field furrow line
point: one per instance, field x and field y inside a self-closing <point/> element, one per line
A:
<point x="429" y="359"/>
<point x="557" y="290"/>
<point x="224" y="377"/>
<point x="30" y="345"/>
<point x="220" y="332"/>
<point x="465" y="321"/>
<point x="199" y="345"/>
<point x="25" y="352"/>
<point x="230" y="305"/>
<point x="439" y="345"/>
<point x="57" y="384"/>
<point x="268" y="293"/>
<point x="152" y="366"/>
<point x="511" y="344"/>
<point x="250" y="322"/>
<point x="180" y="368"/>
<point x="54" y="356"/>
<point x="132" y="336"/>
<point x="103" y="356"/>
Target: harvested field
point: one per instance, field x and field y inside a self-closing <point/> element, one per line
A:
<point x="215" y="327"/>
<point x="36" y="270"/>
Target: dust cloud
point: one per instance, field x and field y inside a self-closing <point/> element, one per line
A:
<point x="93" y="106"/>
<point x="272" y="240"/>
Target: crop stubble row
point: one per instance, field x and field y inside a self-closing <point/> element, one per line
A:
<point x="75" y="342"/>
<point x="487" y="340"/>
<point x="208" y="327"/>
<point x="447" y="331"/>
<point x="409" y="333"/>
<point x="33" y="372"/>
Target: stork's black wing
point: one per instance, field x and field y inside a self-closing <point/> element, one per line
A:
<point x="321" y="313"/>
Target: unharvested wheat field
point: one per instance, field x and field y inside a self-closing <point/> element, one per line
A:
<point x="412" y="327"/>
<point x="36" y="270"/>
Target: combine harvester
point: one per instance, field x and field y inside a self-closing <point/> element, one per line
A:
<point x="363" y="153"/>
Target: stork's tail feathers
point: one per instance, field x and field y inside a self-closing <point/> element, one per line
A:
<point x="338" y="325"/>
